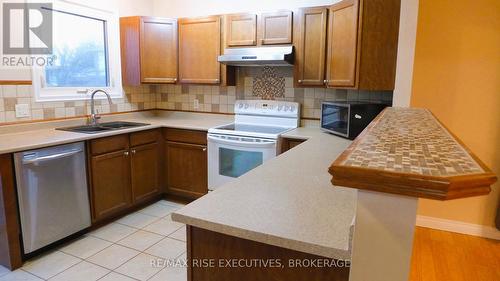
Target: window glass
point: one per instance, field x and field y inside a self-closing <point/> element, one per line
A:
<point x="80" y="50"/>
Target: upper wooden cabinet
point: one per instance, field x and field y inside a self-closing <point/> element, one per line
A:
<point x="362" y="44"/>
<point x="199" y="48"/>
<point x="241" y="30"/>
<point x="275" y="28"/>
<point x="149" y="50"/>
<point x="310" y="46"/>
<point x="272" y="28"/>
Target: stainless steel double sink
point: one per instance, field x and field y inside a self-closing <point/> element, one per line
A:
<point x="103" y="127"/>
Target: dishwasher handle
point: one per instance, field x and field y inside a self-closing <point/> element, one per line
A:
<point x="52" y="157"/>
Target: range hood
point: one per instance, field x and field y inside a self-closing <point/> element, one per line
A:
<point x="258" y="56"/>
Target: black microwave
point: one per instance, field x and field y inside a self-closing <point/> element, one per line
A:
<point x="348" y="119"/>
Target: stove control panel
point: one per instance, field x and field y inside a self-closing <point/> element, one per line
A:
<point x="267" y="108"/>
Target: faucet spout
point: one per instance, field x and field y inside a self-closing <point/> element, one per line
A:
<point x="94" y="117"/>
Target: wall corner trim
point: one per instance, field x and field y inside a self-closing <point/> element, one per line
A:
<point x="459" y="227"/>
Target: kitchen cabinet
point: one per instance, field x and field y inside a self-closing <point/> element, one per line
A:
<point x="199" y="48"/>
<point x="275" y="28"/>
<point x="124" y="172"/>
<point x="310" y="46"/>
<point x="241" y="30"/>
<point x="362" y="44"/>
<point x="287" y="144"/>
<point x="145" y="165"/>
<point x="148" y="50"/>
<point x="186" y="163"/>
<point x="109" y="176"/>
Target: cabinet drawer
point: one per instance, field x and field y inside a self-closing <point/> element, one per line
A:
<point x="109" y="144"/>
<point x="144" y="137"/>
<point x="186" y="136"/>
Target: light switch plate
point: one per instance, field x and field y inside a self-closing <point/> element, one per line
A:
<point x="22" y="110"/>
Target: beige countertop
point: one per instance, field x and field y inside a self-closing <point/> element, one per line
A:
<point x="22" y="137"/>
<point x="287" y="202"/>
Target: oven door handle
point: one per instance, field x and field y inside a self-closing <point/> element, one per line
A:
<point x="241" y="142"/>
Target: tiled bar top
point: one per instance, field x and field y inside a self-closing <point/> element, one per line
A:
<point x="287" y="202"/>
<point x="408" y="151"/>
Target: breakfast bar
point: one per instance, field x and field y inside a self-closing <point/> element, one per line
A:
<point x="289" y="204"/>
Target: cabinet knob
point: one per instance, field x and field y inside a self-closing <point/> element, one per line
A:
<point x="300" y="81"/>
<point x="204" y="149"/>
<point x="175" y="79"/>
<point x="133" y="151"/>
<point x="125" y="153"/>
<point x="325" y="81"/>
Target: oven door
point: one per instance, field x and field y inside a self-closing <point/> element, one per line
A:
<point x="232" y="156"/>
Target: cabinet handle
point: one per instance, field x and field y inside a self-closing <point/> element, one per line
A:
<point x="325" y="81"/>
<point x="300" y="81"/>
<point x="133" y="151"/>
<point x="204" y="149"/>
<point x="125" y="153"/>
<point x="175" y="79"/>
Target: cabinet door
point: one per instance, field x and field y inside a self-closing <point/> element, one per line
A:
<point x="342" y="44"/>
<point x="110" y="183"/>
<point x="241" y="30"/>
<point x="186" y="169"/>
<point x="276" y="28"/>
<point x="311" y="46"/>
<point x="199" y="48"/>
<point x="145" y="165"/>
<point x="158" y="46"/>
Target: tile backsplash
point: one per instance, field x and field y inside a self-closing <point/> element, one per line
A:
<point x="253" y="83"/>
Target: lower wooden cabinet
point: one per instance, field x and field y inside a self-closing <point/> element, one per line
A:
<point x="186" y="169"/>
<point x="111" y="191"/>
<point x="122" y="175"/>
<point x="288" y="144"/>
<point x="145" y="166"/>
<point x="186" y="162"/>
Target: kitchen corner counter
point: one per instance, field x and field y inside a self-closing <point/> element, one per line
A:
<point x="286" y="202"/>
<point x="21" y="137"/>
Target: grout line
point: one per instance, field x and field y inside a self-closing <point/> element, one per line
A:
<point x="116" y="243"/>
<point x="29" y="273"/>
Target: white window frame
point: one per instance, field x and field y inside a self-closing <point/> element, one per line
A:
<point x="47" y="94"/>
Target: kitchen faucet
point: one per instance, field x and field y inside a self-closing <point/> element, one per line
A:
<point x="94" y="117"/>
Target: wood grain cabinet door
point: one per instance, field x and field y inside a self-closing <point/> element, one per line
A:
<point x="310" y="46"/>
<point x="158" y="41"/>
<point x="186" y="169"/>
<point x="342" y="44"/>
<point x="144" y="168"/>
<point x="199" y="48"/>
<point x="275" y="28"/>
<point x="241" y="30"/>
<point x="110" y="183"/>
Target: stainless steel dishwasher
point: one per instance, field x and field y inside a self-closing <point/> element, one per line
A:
<point x="52" y="194"/>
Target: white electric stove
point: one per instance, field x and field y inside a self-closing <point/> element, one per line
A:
<point x="253" y="138"/>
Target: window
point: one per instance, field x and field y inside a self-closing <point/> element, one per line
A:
<point x="87" y="55"/>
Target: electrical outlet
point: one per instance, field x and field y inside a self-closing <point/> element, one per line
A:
<point x="196" y="103"/>
<point x="22" y="110"/>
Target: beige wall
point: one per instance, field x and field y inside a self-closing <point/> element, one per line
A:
<point x="190" y="8"/>
<point x="457" y="76"/>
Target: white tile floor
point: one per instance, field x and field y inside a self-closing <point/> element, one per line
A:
<point x="120" y="251"/>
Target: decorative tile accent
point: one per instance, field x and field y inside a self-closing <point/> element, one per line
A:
<point x="399" y="143"/>
<point x="268" y="85"/>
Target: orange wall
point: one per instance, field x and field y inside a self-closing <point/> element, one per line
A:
<point x="457" y="76"/>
